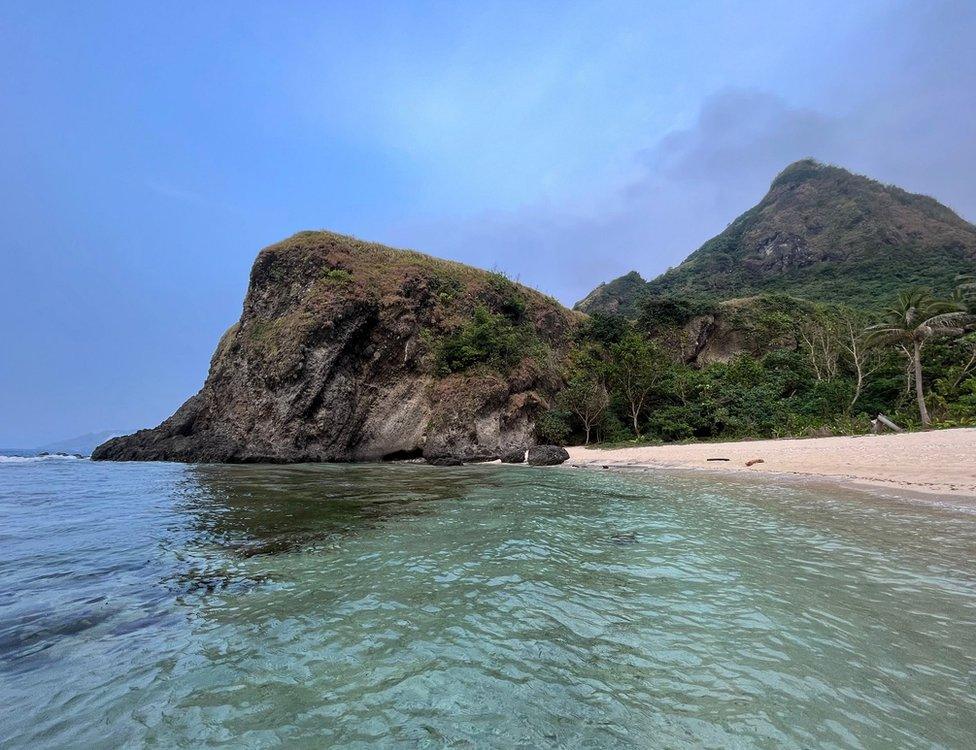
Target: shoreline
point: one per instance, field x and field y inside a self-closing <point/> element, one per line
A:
<point x="926" y="466"/>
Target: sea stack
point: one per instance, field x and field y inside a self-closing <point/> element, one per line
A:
<point x="352" y="351"/>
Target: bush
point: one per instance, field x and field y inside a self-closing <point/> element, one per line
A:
<point x="337" y="275"/>
<point x="671" y="423"/>
<point x="612" y="430"/>
<point x="603" y="329"/>
<point x="553" y="427"/>
<point x="487" y="338"/>
<point x="506" y="297"/>
<point x="659" y="313"/>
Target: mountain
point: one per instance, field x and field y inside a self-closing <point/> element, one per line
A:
<point x="617" y="297"/>
<point x="347" y="350"/>
<point x="821" y="233"/>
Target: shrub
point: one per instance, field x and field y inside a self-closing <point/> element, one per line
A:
<point x="486" y="338"/>
<point x="553" y="427"/>
<point x="506" y="297"/>
<point x="659" y="313"/>
<point x="603" y="329"/>
<point x="338" y="275"/>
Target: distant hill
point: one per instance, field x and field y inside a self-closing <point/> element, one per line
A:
<point x="821" y="233"/>
<point x="617" y="297"/>
<point x="83" y="444"/>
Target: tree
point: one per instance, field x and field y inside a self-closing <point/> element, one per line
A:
<point x="586" y="397"/>
<point x="635" y="371"/>
<point x="819" y="335"/>
<point x="915" y="319"/>
<point x="864" y="358"/>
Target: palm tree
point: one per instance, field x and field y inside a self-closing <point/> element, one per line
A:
<point x="916" y="318"/>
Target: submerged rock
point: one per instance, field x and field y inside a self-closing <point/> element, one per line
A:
<point x="547" y="455"/>
<point x="623" y="537"/>
<point x="337" y="356"/>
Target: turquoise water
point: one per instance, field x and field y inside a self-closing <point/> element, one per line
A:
<point x="163" y="605"/>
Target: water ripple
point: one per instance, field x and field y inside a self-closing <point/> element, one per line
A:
<point x="391" y="606"/>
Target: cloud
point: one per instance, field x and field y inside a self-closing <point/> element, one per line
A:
<point x="686" y="188"/>
<point x="902" y="111"/>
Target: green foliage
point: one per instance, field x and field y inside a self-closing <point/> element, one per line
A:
<point x="486" y="338"/>
<point x="796" y="373"/>
<point x="637" y="367"/>
<point x="951" y="366"/>
<point x="657" y="313"/>
<point x="586" y="398"/>
<point x="337" y="275"/>
<point x="610" y="428"/>
<point x="621" y="297"/>
<point x="916" y="319"/>
<point x="553" y="427"/>
<point x="603" y="328"/>
<point x="506" y="296"/>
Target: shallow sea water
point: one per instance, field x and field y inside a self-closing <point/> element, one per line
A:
<point x="162" y="605"/>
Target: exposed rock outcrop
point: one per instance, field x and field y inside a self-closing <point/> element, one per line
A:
<point x="338" y="356"/>
<point x="723" y="330"/>
<point x="547" y="455"/>
<point x="514" y="457"/>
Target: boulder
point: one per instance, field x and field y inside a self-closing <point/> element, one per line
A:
<point x="547" y="455"/>
<point x="514" y="456"/>
<point x="444" y="460"/>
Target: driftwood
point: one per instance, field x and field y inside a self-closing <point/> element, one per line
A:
<point x="883" y="421"/>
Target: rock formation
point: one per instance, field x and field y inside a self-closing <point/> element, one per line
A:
<point x="547" y="455"/>
<point x="351" y="351"/>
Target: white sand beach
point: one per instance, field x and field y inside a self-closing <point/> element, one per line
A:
<point x="940" y="462"/>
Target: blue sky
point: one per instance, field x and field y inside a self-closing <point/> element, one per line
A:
<point x="150" y="150"/>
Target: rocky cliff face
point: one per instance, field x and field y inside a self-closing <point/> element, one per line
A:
<point x="341" y="354"/>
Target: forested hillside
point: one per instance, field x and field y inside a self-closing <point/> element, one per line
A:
<point x="820" y="233"/>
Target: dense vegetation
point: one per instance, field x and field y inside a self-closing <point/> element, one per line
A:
<point x="799" y="368"/>
<point x="499" y="334"/>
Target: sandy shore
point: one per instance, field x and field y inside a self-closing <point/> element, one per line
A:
<point x="941" y="462"/>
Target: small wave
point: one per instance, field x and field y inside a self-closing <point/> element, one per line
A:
<point x="34" y="459"/>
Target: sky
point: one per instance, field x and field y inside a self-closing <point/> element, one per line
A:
<point x="148" y="151"/>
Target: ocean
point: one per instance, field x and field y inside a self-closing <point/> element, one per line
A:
<point x="397" y="605"/>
